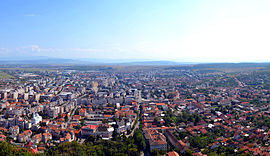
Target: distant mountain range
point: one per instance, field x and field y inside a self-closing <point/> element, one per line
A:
<point x="46" y="60"/>
<point x="40" y="60"/>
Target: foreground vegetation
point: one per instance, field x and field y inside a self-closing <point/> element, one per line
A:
<point x="92" y="146"/>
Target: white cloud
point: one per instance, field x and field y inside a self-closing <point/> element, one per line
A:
<point x="35" y="48"/>
<point x="86" y="50"/>
<point x="3" y="49"/>
<point x="30" y="15"/>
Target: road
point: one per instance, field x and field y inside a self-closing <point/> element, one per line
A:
<point x="241" y="84"/>
<point x="70" y="117"/>
<point x="74" y="110"/>
<point x="135" y="127"/>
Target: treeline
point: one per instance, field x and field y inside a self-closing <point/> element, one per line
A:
<point x="6" y="149"/>
<point x="102" y="147"/>
<point x="96" y="146"/>
<point x="92" y="146"/>
<point x="170" y="118"/>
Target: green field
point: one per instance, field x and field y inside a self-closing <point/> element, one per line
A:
<point x="28" y="69"/>
<point x="4" y="75"/>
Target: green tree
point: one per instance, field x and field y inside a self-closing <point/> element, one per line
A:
<point x="139" y="139"/>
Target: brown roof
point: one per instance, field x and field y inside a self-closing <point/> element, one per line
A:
<point x="173" y="153"/>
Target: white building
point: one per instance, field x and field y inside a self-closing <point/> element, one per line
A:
<point x="36" y="118"/>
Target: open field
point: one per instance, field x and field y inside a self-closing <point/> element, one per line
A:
<point x="27" y="69"/>
<point x="4" y="75"/>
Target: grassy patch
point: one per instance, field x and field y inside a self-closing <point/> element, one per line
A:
<point x="4" y="75"/>
<point x="29" y="69"/>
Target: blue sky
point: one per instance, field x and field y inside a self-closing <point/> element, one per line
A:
<point x="189" y="31"/>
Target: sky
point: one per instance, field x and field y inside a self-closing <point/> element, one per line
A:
<point x="173" y="30"/>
